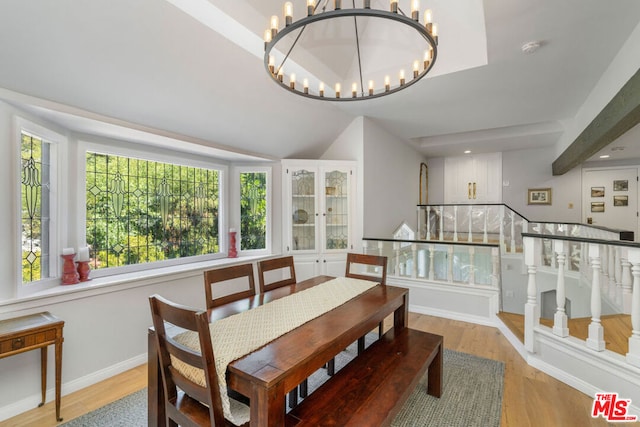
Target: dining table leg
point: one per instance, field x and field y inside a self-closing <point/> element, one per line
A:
<point x="268" y="406"/>
<point x="401" y="314"/>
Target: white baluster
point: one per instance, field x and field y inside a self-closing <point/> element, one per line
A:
<point x="472" y="265"/>
<point x="365" y="246"/>
<point x="441" y="210"/>
<point x="470" y="236"/>
<point x="450" y="263"/>
<point x="605" y="269"/>
<point x="485" y="237"/>
<point x="633" y="356"/>
<point x="531" y="308"/>
<point x="414" y="253"/>
<point x="422" y="263"/>
<point x="380" y="248"/>
<point x="396" y="249"/>
<point x="618" y="275"/>
<point x="503" y="242"/>
<point x="495" y="273"/>
<point x="512" y="247"/>
<point x="626" y="282"/>
<point x="560" y="318"/>
<point x="455" y="223"/>
<point x="432" y="253"/>
<point x="612" y="273"/>
<point x="428" y="233"/>
<point x="595" y="341"/>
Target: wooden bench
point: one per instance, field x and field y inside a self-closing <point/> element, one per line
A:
<point x="373" y="387"/>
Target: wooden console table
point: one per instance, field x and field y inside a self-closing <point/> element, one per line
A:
<point x="29" y="333"/>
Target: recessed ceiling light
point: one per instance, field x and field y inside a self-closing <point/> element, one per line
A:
<point x="467" y="151"/>
<point x="605" y="156"/>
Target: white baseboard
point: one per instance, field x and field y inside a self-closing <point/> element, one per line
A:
<point x="33" y="401"/>
<point x="430" y="311"/>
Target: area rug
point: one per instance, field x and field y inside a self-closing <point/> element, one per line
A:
<point x="472" y="396"/>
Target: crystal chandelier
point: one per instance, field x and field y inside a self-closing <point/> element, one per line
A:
<point x="334" y="48"/>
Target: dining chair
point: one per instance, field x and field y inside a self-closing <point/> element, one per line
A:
<point x="219" y="275"/>
<point x="354" y="260"/>
<point x="188" y="402"/>
<point x="283" y="263"/>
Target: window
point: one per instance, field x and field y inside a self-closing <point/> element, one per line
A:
<point x="141" y="211"/>
<point x="36" y="207"/>
<point x="253" y="210"/>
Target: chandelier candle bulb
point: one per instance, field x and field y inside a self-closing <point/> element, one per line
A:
<point x="272" y="63"/>
<point x="387" y="83"/>
<point x="402" y="77"/>
<point x="337" y="90"/>
<point x="274" y="26"/>
<point x="292" y="81"/>
<point x="311" y="5"/>
<point x="367" y="4"/>
<point x="370" y="87"/>
<point x="321" y="89"/>
<point x="337" y="4"/>
<point x="434" y="32"/>
<point x="267" y="38"/>
<point x="354" y="90"/>
<point x="416" y="69"/>
<point x="415" y="5"/>
<point x="394" y="6"/>
<point x="288" y="13"/>
<point x="305" y="85"/>
<point x="428" y="19"/>
<point x="280" y="75"/>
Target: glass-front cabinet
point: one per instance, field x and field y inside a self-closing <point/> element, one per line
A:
<point x="319" y="211"/>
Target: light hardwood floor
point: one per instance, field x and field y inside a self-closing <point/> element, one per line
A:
<point x="531" y="398"/>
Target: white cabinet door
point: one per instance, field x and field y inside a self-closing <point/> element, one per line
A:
<point x="319" y="208"/>
<point x="473" y="179"/>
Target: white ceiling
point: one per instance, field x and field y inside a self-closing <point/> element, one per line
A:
<point x="193" y="70"/>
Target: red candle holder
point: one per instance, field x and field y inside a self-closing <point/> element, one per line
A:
<point x="233" y="252"/>
<point x="69" y="272"/>
<point x="83" y="270"/>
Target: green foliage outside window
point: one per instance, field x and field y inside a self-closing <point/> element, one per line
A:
<point x="141" y="211"/>
<point x="253" y="210"/>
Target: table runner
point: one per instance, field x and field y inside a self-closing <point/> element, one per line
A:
<point x="263" y="324"/>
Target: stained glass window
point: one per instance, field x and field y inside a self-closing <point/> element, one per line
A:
<point x="35" y="157"/>
<point x="253" y="210"/>
<point x="141" y="211"/>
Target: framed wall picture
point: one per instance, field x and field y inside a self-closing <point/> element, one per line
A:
<point x="597" y="191"/>
<point x="539" y="196"/>
<point x="620" y="200"/>
<point x="597" y="206"/>
<point x="620" y="185"/>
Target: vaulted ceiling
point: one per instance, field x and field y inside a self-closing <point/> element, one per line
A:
<point x="194" y="69"/>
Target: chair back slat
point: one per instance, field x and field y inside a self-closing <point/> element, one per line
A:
<point x="276" y="264"/>
<point x="219" y="275"/>
<point x="372" y="260"/>
<point x="187" y="402"/>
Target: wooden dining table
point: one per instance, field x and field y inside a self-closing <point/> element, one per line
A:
<point x="269" y="373"/>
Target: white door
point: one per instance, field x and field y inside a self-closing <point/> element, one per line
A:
<point x="610" y="198"/>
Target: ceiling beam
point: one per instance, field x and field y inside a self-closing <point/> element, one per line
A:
<point x="618" y="116"/>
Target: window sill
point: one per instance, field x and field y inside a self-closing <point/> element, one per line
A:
<point x="116" y="283"/>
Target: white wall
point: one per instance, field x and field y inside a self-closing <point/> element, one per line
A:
<point x="524" y="169"/>
<point x="392" y="181"/>
<point x="436" y="180"/>
<point x="622" y="68"/>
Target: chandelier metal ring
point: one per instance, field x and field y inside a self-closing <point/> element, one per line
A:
<point x="355" y="12"/>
